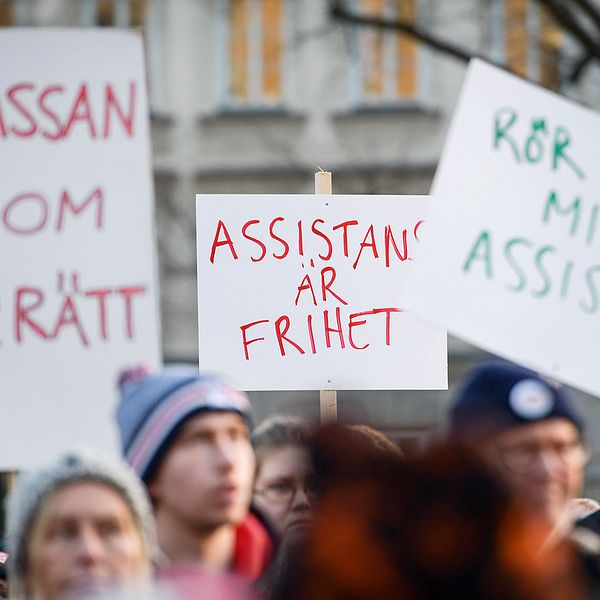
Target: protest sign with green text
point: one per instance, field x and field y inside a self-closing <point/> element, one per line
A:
<point x="511" y="256"/>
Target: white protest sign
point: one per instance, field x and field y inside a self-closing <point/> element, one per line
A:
<point x="511" y="254"/>
<point x="304" y="292"/>
<point x="78" y="297"/>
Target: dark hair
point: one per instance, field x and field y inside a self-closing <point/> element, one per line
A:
<point x="437" y="527"/>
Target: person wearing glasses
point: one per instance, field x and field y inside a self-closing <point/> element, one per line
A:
<point x="283" y="484"/>
<point x="530" y="431"/>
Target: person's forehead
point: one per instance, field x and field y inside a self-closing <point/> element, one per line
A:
<point x="213" y="420"/>
<point x="290" y="459"/>
<point x="557" y="429"/>
<point x="85" y="498"/>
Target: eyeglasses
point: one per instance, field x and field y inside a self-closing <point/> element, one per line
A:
<point x="520" y="458"/>
<point x="283" y="492"/>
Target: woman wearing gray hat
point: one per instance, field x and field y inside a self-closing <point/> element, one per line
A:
<point x="81" y="522"/>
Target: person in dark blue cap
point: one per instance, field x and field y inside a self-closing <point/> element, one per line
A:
<point x="530" y="430"/>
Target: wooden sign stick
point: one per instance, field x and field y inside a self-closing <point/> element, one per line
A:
<point x="328" y="398"/>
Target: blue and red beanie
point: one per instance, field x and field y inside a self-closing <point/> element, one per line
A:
<point x="154" y="405"/>
<point x="499" y="395"/>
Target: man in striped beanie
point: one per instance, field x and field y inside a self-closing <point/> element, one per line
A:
<point x="188" y="437"/>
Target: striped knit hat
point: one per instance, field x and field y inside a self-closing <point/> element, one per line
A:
<point x="154" y="405"/>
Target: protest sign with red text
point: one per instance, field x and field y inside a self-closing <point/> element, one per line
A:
<point x="305" y="292"/>
<point x="511" y="256"/>
<point x="78" y="289"/>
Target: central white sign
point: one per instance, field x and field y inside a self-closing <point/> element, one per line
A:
<point x="304" y="292"/>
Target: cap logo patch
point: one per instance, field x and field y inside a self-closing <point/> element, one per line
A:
<point x="530" y="399"/>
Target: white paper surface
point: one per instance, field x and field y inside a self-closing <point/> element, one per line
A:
<point x="510" y="259"/>
<point x="78" y="297"/>
<point x="275" y="273"/>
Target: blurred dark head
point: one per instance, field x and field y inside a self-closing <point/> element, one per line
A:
<point x="440" y="526"/>
<point x="381" y="442"/>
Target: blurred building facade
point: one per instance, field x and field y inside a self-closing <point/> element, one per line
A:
<point x="251" y="96"/>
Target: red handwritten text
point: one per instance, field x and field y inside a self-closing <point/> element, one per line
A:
<point x="332" y="329"/>
<point x="73" y="303"/>
<point x="28" y="213"/>
<point x="278" y="239"/>
<point x="28" y="111"/>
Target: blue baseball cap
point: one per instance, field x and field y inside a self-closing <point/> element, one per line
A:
<point x="497" y="396"/>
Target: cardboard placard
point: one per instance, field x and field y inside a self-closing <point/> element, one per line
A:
<point x="304" y="292"/>
<point x="511" y="256"/>
<point x="78" y="298"/>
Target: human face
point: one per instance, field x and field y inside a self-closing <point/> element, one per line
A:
<point x="544" y="461"/>
<point x="205" y="479"/>
<point x="85" y="536"/>
<point x="282" y="489"/>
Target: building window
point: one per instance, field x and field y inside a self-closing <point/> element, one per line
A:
<point x="251" y="37"/>
<point x="114" y="13"/>
<point x="384" y="63"/>
<point x="531" y="41"/>
<point x="111" y="13"/>
<point x="135" y="14"/>
<point x="7" y="13"/>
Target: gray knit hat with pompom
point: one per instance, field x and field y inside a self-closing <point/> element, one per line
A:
<point x="35" y="486"/>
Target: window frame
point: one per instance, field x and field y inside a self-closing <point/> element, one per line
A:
<point x="533" y="27"/>
<point x="390" y="99"/>
<point x="22" y="13"/>
<point x="153" y="46"/>
<point x="255" y="101"/>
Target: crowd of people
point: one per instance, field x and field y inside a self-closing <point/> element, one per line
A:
<point x="204" y="505"/>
